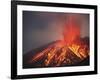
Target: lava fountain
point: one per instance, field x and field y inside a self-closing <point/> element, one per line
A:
<point x="71" y="30"/>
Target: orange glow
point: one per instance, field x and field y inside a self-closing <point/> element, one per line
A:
<point x="60" y="53"/>
<point x="71" y="31"/>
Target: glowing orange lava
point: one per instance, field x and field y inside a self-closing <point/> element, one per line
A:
<point x="71" y="31"/>
<point x="67" y="51"/>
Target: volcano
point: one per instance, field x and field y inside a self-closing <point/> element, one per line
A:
<point x="73" y="50"/>
<point x="57" y="54"/>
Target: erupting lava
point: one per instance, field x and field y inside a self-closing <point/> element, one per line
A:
<point x="71" y="30"/>
<point x="70" y="51"/>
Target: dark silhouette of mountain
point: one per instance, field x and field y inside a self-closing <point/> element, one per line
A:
<point x="71" y="59"/>
<point x="28" y="56"/>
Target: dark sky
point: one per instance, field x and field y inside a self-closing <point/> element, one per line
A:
<point x="40" y="28"/>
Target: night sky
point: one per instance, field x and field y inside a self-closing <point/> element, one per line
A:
<point x="40" y="28"/>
